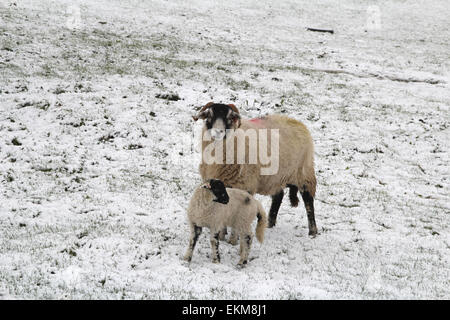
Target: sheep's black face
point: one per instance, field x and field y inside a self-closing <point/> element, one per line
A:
<point x="219" y="118"/>
<point x="218" y="189"/>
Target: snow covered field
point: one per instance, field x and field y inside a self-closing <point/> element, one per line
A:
<point x="97" y="162"/>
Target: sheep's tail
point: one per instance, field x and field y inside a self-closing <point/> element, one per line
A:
<point x="262" y="222"/>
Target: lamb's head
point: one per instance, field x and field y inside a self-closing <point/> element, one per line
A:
<point x="217" y="187"/>
<point x="218" y="118"/>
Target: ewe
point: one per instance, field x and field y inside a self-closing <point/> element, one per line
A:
<point x="296" y="158"/>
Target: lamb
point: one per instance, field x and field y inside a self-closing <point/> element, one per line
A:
<point x="296" y="159"/>
<point x="216" y="207"/>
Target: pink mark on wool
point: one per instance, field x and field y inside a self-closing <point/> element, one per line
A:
<point x="258" y="121"/>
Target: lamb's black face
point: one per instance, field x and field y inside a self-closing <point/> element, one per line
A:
<point x="218" y="118"/>
<point x="218" y="189"/>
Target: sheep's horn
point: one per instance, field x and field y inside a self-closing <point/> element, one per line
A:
<point x="206" y="106"/>
<point x="233" y="107"/>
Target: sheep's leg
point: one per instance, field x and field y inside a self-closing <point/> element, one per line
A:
<point x="195" y="233"/>
<point x="246" y="242"/>
<point x="309" y="206"/>
<point x="222" y="234"/>
<point x="293" y="190"/>
<point x="233" y="237"/>
<point x="276" y="203"/>
<point x="215" y="247"/>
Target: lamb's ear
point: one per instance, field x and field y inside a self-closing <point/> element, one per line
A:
<point x="206" y="185"/>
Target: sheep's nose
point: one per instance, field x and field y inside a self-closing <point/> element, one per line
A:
<point x="217" y="133"/>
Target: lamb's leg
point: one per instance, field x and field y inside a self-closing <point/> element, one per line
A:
<point x="233" y="237"/>
<point x="215" y="247"/>
<point x="276" y="203"/>
<point x="195" y="233"/>
<point x="241" y="246"/>
<point x="309" y="206"/>
<point x="222" y="234"/>
<point x="246" y="242"/>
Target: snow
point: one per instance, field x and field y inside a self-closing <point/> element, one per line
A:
<point x="96" y="172"/>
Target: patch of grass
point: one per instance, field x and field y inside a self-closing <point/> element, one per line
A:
<point x="16" y="142"/>
<point x="41" y="104"/>
<point x="70" y="251"/>
<point x="237" y="85"/>
<point x="168" y="96"/>
<point x="42" y="169"/>
<point x="59" y="90"/>
<point x="47" y="70"/>
<point x="133" y="146"/>
<point x="106" y="138"/>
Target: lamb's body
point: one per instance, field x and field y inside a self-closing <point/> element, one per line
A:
<point x="238" y="213"/>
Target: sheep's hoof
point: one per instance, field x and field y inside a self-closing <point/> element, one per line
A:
<point x="233" y="242"/>
<point x="313" y="233"/>
<point x="272" y="223"/>
<point x="216" y="261"/>
<point x="242" y="264"/>
<point x="187" y="258"/>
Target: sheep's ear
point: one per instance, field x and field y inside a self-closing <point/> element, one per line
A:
<point x="204" y="112"/>
<point x="202" y="115"/>
<point x="206" y="185"/>
<point x="234" y="116"/>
